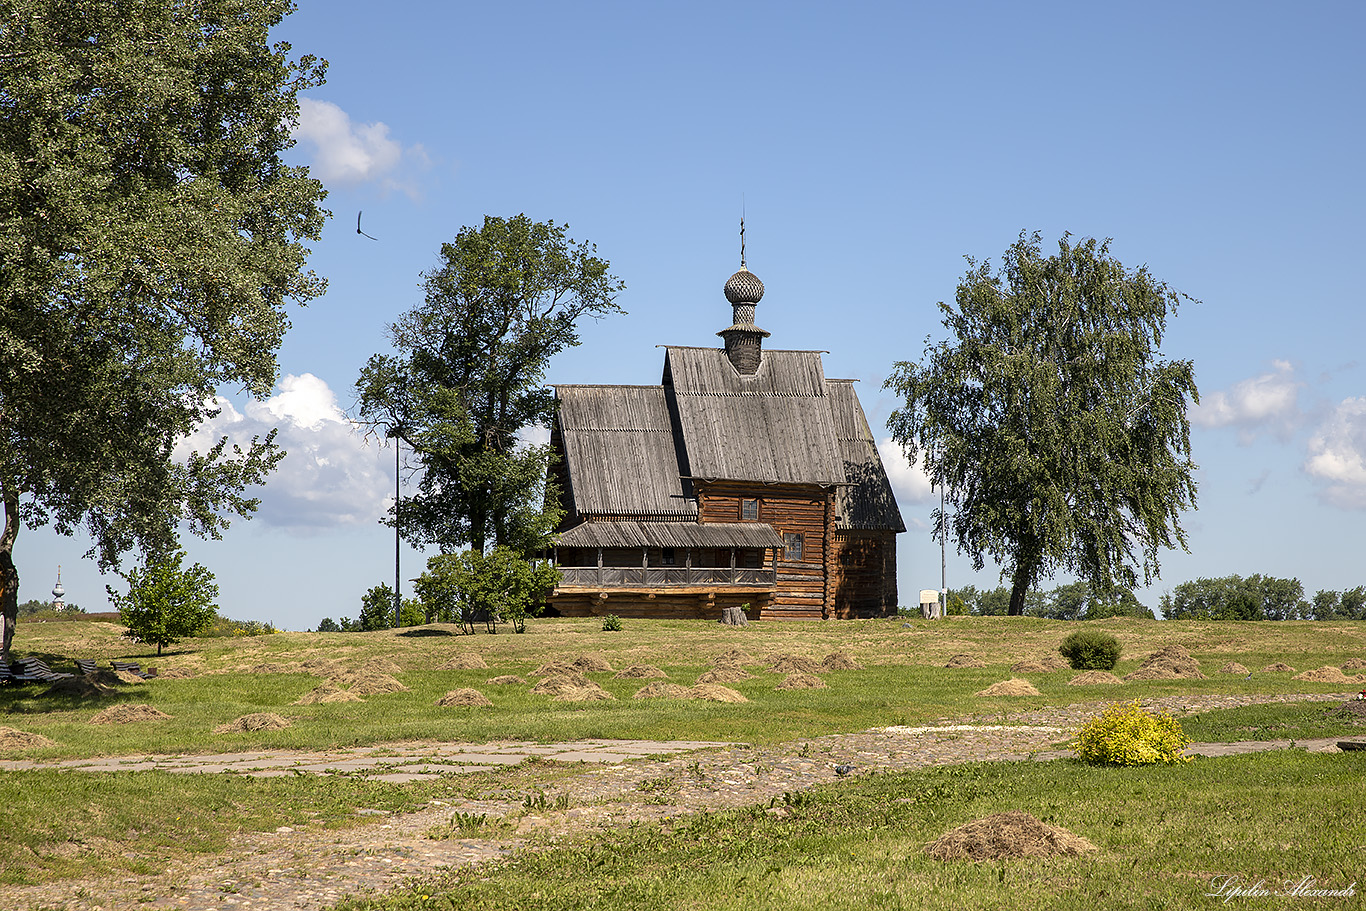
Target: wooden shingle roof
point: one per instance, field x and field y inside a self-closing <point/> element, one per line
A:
<point x="773" y="427"/>
<point x="866" y="500"/>
<point x="620" y="453"/>
<point x="670" y="534"/>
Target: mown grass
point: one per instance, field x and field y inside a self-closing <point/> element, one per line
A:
<point x="1164" y="833"/>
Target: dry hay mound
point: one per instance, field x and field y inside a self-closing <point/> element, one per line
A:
<point x="1326" y="674"/>
<point x="463" y="696"/>
<point x="364" y="683"/>
<point x="551" y="668"/>
<point x="734" y="656"/>
<point x="590" y="693"/>
<point x="1093" y="678"/>
<point x="1030" y="666"/>
<point x="13" y="740"/>
<point x="323" y="667"/>
<point x="127" y="714"/>
<point x="801" y="681"/>
<point x="1233" y="667"/>
<point x="258" y="721"/>
<point x="339" y="696"/>
<point x="90" y="687"/>
<point x="1353" y="664"/>
<point x="794" y="664"/>
<point x="1015" y="686"/>
<point x="506" y="680"/>
<point x="1013" y="834"/>
<point x="557" y="683"/>
<point x="383" y="666"/>
<point x="591" y="664"/>
<point x="725" y="673"/>
<point x="127" y="677"/>
<point x="327" y="692"/>
<point x="1170" y="663"/>
<point x="176" y="673"/>
<point x="1280" y="667"/>
<point x="840" y="661"/>
<point x="639" y="672"/>
<point x="966" y="661"/>
<point x="714" y="692"/>
<point x="465" y="662"/>
<point x="663" y="691"/>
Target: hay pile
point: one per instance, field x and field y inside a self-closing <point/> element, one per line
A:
<point x="384" y="666"/>
<point x="1353" y="664"/>
<point x="127" y="677"/>
<point x="725" y="673"/>
<point x="965" y="661"/>
<point x="1170" y="663"/>
<point x="12" y="740"/>
<point x="327" y="692"/>
<point x="734" y="656"/>
<point x="801" y="681"/>
<point x="639" y="672"/>
<point x="464" y="662"/>
<point x="591" y="664"/>
<point x="506" y="680"/>
<point x="463" y="696"/>
<point x="557" y="682"/>
<point x="590" y="693"/>
<point x="793" y="664"/>
<point x="364" y="683"/>
<point x="663" y="691"/>
<point x="259" y="721"/>
<point x="1015" y="686"/>
<point x="1233" y="667"/>
<point x="127" y="714"/>
<point x="1046" y="664"/>
<point x="176" y="673"/>
<point x="552" y="668"/>
<point x="840" y="661"/>
<point x="1280" y="667"/>
<point x="1093" y="678"/>
<point x="1326" y="674"/>
<point x="714" y="692"/>
<point x="1013" y="834"/>
<point x="91" y="687"/>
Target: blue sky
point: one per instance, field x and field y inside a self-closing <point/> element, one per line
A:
<point x="871" y="146"/>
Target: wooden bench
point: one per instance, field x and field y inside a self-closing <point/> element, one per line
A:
<point x="130" y="667"/>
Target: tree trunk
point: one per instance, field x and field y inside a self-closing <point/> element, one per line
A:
<point x="1019" y="588"/>
<point x="9" y="576"/>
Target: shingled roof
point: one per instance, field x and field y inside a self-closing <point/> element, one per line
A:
<point x="866" y="500"/>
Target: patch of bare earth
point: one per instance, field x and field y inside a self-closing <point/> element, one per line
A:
<point x="1170" y="663"/>
<point x="127" y="714"/>
<point x="465" y="696"/>
<point x="13" y="740"/>
<point x="1094" y="678"/>
<point x="257" y="721"/>
<point x="1353" y="710"/>
<point x="1012" y="687"/>
<point x="1007" y="835"/>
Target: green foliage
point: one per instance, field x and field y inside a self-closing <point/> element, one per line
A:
<point x="1091" y="650"/>
<point x="150" y="239"/>
<point x="1235" y="598"/>
<point x="469" y="377"/>
<point x="1057" y="431"/>
<point x="166" y="603"/>
<point x="328" y="625"/>
<point x="1079" y="601"/>
<point x="31" y="607"/>
<point x="611" y="624"/>
<point x="498" y="587"/>
<point x="1347" y="605"/>
<point x="237" y="629"/>
<point x="1125" y="734"/>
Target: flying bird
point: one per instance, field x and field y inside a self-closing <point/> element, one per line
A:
<point x="358" y="230"/>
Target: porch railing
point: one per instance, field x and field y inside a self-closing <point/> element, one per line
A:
<point x="620" y="576"/>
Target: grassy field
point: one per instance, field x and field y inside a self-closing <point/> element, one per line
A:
<point x="59" y="825"/>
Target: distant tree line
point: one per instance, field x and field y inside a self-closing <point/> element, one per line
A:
<point x="1077" y="601"/>
<point x="1260" y="598"/>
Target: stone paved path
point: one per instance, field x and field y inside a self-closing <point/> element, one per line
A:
<point x="613" y="784"/>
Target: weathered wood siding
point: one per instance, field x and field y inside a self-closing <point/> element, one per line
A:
<point x="862" y="573"/>
<point x="803" y="510"/>
<point x="660" y="604"/>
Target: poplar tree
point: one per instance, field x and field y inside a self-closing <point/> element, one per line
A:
<point x="1051" y="419"/>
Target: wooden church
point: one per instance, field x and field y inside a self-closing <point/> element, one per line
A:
<point x="746" y="478"/>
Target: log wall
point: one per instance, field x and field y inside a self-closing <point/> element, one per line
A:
<point x="862" y="573"/>
<point x="660" y="604"/>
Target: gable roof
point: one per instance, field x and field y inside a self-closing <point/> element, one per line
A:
<point x="620" y="454"/>
<point x="866" y="500"/>
<point x="773" y="427"/>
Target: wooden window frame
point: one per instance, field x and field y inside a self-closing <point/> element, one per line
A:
<point x="744" y="507"/>
<point x="790" y="538"/>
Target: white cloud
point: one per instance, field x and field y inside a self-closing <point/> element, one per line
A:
<point x="332" y="475"/>
<point x="909" y="482"/>
<point x="1337" y="455"/>
<point x="1269" y="401"/>
<point x="353" y="153"/>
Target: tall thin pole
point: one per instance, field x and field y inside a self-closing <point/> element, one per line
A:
<point x="943" y="551"/>
<point x="398" y="595"/>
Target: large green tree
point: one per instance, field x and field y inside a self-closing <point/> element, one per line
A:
<point x="467" y="377"/>
<point x="1051" y="420"/>
<point x="150" y="240"/>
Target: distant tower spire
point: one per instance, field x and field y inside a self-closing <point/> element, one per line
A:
<point x="58" y="591"/>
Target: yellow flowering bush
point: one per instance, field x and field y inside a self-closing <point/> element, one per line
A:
<point x="1125" y="734"/>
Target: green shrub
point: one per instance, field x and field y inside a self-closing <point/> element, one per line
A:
<point x="1091" y="650"/>
<point x="611" y="624"/>
<point x="1125" y="734"/>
